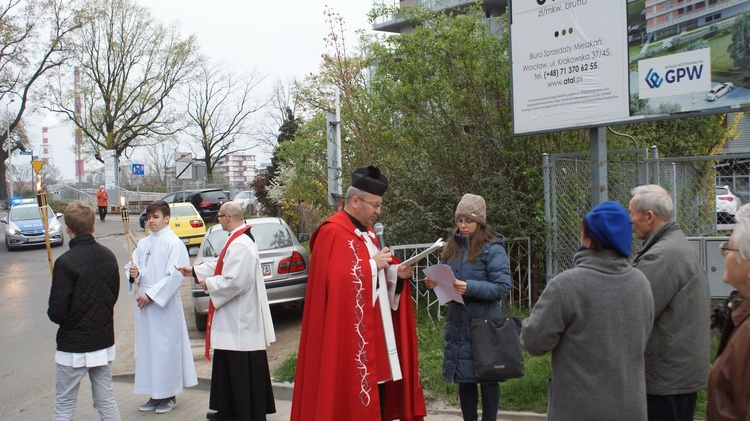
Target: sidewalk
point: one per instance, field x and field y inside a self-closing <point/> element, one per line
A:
<point x="192" y="405"/>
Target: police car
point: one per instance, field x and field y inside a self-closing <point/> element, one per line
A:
<point x="24" y="228"/>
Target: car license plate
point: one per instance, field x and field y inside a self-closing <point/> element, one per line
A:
<point x="36" y="239"/>
<point x="266" y="270"/>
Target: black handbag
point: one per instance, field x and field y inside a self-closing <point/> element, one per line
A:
<point x="496" y="347"/>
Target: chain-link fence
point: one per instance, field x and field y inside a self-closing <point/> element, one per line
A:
<point x="706" y="192"/>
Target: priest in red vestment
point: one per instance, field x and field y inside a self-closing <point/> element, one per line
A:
<point x="357" y="356"/>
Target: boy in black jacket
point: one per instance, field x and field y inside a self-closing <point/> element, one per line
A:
<point x="85" y="287"/>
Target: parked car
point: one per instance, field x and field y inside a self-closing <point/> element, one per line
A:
<point x="247" y="200"/>
<point x="283" y="259"/>
<point x="187" y="224"/>
<point x="719" y="91"/>
<point x="24" y="227"/>
<point x="727" y="203"/>
<point x="206" y="201"/>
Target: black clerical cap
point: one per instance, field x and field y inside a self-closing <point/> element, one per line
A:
<point x="370" y="180"/>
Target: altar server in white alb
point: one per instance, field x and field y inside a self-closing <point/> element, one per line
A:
<point x="239" y="324"/>
<point x="164" y="361"/>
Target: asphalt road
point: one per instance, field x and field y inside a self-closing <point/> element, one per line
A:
<point x="28" y="345"/>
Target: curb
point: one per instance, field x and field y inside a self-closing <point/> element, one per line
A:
<point x="283" y="391"/>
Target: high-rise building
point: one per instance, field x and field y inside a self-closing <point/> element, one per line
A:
<point x="399" y="25"/>
<point x="240" y="169"/>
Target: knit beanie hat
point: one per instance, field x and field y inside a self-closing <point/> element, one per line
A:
<point x="472" y="206"/>
<point x="610" y="222"/>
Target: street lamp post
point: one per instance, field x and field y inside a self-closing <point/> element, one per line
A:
<point x="10" y="152"/>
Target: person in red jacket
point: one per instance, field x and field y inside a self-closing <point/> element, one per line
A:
<point x="101" y="202"/>
<point x="357" y="356"/>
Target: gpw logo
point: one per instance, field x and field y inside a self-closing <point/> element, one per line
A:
<point x="653" y="80"/>
<point x="675" y="74"/>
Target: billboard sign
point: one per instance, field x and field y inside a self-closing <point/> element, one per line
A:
<point x="585" y="63"/>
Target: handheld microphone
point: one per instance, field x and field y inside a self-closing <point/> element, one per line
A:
<point x="378" y="228"/>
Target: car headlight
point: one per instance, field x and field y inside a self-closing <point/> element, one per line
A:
<point x="55" y="227"/>
<point x="13" y="231"/>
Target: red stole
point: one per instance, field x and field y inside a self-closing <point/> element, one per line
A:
<point x="217" y="271"/>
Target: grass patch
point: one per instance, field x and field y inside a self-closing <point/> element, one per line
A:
<point x="285" y="372"/>
<point x="528" y="393"/>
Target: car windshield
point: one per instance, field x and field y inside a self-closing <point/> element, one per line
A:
<point x="242" y="195"/>
<point x="183" y="211"/>
<point x="720" y="191"/>
<point x="28" y="213"/>
<point x="267" y="237"/>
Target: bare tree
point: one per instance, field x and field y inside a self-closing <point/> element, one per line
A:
<point x="219" y="109"/>
<point x="160" y="157"/>
<point x="22" y="174"/>
<point x="283" y="99"/>
<point x="130" y="65"/>
<point x="32" y="42"/>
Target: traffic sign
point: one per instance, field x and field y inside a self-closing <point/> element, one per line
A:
<point x="37" y="165"/>
<point x="138" y="169"/>
<point x="25" y="152"/>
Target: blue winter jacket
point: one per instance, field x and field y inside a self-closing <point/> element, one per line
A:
<point x="486" y="280"/>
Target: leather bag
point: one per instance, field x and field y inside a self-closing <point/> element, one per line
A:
<point x="496" y="347"/>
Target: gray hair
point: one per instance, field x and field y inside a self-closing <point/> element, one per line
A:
<point x="353" y="191"/>
<point x="741" y="233"/>
<point x="654" y="198"/>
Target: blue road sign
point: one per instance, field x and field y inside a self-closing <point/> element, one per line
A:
<point x="138" y="169"/>
<point x="25" y="152"/>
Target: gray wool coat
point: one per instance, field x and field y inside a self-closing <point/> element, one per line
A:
<point x="678" y="351"/>
<point x="595" y="319"/>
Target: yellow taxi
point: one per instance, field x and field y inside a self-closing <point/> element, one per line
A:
<point x="187" y="223"/>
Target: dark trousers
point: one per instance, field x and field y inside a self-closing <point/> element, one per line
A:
<point x="102" y="212"/>
<point x="469" y="398"/>
<point x="241" y="385"/>
<point x="671" y="407"/>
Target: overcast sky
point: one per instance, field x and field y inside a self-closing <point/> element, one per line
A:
<point x="280" y="40"/>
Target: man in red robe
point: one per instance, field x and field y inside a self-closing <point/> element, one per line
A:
<point x="357" y="356"/>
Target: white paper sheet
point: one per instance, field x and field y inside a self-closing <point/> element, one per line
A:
<point x="412" y="260"/>
<point x="443" y="276"/>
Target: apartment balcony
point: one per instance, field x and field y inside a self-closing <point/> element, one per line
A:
<point x="392" y="23"/>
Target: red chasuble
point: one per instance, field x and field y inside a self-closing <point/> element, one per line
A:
<point x="342" y="351"/>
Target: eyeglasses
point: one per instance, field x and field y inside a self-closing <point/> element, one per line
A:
<point x="374" y="206"/>
<point x="725" y="247"/>
<point x="220" y="215"/>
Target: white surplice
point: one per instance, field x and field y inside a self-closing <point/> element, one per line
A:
<point x="164" y="360"/>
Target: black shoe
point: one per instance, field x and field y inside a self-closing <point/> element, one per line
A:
<point x="215" y="416"/>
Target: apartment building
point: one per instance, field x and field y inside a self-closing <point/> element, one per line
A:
<point x="669" y="17"/>
<point x="394" y="24"/>
<point x="240" y="169"/>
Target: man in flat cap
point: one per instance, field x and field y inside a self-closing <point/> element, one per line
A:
<point x="357" y="356"/>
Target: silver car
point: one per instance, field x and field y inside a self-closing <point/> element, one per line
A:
<point x="247" y="200"/>
<point x="283" y="260"/>
<point x="24" y="227"/>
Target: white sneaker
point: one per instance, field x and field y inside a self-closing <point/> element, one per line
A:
<point x="150" y="405"/>
<point x="166" y="405"/>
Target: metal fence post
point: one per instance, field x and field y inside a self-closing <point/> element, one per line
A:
<point x="654" y="165"/>
<point x="550" y="228"/>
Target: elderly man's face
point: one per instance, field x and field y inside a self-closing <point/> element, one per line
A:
<point x="642" y="221"/>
